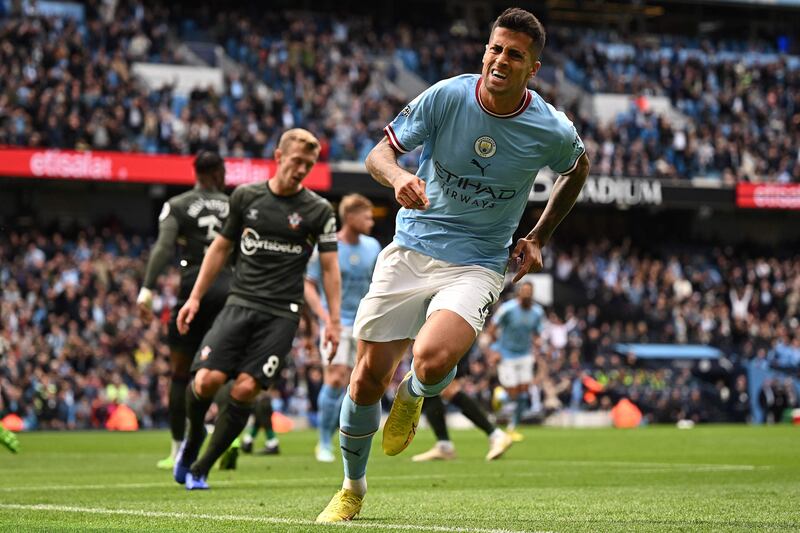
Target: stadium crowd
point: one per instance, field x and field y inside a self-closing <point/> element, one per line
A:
<point x="742" y="100"/>
<point x="69" y="85"/>
<point x="72" y="347"/>
<point x="747" y="307"/>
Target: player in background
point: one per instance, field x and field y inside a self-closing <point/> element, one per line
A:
<point x="275" y="225"/>
<point x="434" y="409"/>
<point x="261" y="418"/>
<point x="357" y="255"/>
<point x="191" y="221"/>
<point x="484" y="139"/>
<point x="514" y="326"/>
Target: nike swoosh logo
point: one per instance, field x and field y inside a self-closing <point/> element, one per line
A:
<point x="352" y="452"/>
<point x="411" y="434"/>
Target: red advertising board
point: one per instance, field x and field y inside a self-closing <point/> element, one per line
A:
<point x="768" y="196"/>
<point x="138" y="168"/>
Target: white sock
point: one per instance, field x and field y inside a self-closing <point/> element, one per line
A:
<point x="175" y="445"/>
<point x="273" y="442"/>
<point x="359" y="486"/>
<point x="247" y="438"/>
<point x="496" y="433"/>
<point x="446" y="445"/>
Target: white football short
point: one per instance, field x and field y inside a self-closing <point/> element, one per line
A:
<point x="515" y="372"/>
<point x="345" y="353"/>
<point x="407" y="287"/>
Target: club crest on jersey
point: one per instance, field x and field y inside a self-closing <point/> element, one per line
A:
<point x="252" y="214"/>
<point x="205" y="352"/>
<point x="485" y="146"/>
<point x="294" y="220"/>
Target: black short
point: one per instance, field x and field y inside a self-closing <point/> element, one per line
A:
<point x="462" y="369"/>
<point x="244" y="340"/>
<point x="210" y="306"/>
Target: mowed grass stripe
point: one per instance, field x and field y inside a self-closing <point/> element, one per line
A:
<point x="239" y="518"/>
<point x="631" y="467"/>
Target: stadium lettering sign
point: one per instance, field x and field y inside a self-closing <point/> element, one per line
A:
<point x="623" y="191"/>
<point x="244" y="171"/>
<point x="138" y="168"/>
<point x="56" y="164"/>
<point x="768" y="196"/>
<point x="606" y="190"/>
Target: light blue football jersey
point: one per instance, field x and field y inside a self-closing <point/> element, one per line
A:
<point x="478" y="169"/>
<point x="356" y="263"/>
<point x="517" y="326"/>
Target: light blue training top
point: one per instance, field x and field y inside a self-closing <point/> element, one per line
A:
<point x="356" y="263"/>
<point x="517" y="326"/>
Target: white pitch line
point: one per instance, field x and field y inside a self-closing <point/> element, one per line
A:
<point x="636" y="468"/>
<point x="676" y="466"/>
<point x="237" y="518"/>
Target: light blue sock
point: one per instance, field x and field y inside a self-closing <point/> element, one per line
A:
<point x="522" y="405"/>
<point x="418" y="388"/>
<point x="357" y="425"/>
<point x="328" y="404"/>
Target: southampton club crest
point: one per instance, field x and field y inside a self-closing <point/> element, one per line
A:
<point x="294" y="220"/>
<point x="485" y="146"/>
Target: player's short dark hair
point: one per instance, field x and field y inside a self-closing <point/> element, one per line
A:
<point x="207" y="162"/>
<point x="516" y="19"/>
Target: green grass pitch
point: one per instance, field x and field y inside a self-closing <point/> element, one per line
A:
<point x="710" y="478"/>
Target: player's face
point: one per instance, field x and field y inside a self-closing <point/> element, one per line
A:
<point x="508" y="62"/>
<point x="361" y="221"/>
<point x="294" y="164"/>
<point x="526" y="295"/>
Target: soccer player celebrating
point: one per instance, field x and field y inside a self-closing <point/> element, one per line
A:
<point x="484" y="139"/>
<point x="275" y="226"/>
<point x="190" y="220"/>
<point x="357" y="255"/>
<point x="518" y="321"/>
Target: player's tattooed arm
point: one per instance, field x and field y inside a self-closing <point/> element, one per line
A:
<point x="528" y="251"/>
<point x="213" y="262"/>
<point x="382" y="165"/>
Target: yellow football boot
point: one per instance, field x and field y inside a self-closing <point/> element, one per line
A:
<point x="499" y="445"/>
<point x="344" y="505"/>
<point x="401" y="426"/>
<point x="515" y="435"/>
